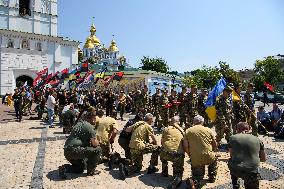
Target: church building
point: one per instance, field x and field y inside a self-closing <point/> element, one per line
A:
<point x="29" y="42"/>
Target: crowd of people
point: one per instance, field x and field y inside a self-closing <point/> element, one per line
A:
<point x="181" y="119"/>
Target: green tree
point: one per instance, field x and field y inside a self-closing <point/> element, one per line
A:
<point x="268" y="70"/>
<point x="206" y="77"/>
<point x="230" y="75"/>
<point x="154" y="64"/>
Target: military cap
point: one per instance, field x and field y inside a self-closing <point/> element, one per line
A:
<point x="204" y="89"/>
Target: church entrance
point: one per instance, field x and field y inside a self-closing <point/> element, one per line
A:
<point x="20" y="81"/>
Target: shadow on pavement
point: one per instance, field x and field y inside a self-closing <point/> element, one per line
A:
<point x="53" y="175"/>
<point x="155" y="180"/>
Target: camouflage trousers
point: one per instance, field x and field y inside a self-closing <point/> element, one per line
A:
<point x="176" y="158"/>
<point x="198" y="172"/>
<point x="121" y="110"/>
<point x="77" y="155"/>
<point x="163" y="120"/>
<point x="157" y="116"/>
<point x="137" y="157"/>
<point x="252" y="123"/>
<point x="67" y="128"/>
<point x="223" y="127"/>
<point x="251" y="178"/>
<point x="105" y="152"/>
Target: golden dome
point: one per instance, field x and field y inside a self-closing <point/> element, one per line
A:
<point x="95" y="40"/>
<point x="89" y="44"/>
<point x="113" y="47"/>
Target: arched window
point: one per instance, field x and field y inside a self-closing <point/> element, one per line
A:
<point x="10" y="43"/>
<point x="38" y="46"/>
<point x="25" y="44"/>
<point x="24" y="7"/>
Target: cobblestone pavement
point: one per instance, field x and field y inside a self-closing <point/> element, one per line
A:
<point x="31" y="153"/>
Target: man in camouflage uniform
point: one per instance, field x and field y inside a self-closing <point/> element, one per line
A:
<point x="172" y="150"/>
<point x="172" y="100"/>
<point x="155" y="105"/>
<point x="81" y="145"/>
<point x="182" y="98"/>
<point x="224" y="114"/>
<point x="202" y="97"/>
<point x="145" y="99"/>
<point x="163" y="120"/>
<point x="140" y="145"/>
<point x="249" y="102"/>
<point x="192" y="105"/>
<point x="138" y="102"/>
<point x="238" y="109"/>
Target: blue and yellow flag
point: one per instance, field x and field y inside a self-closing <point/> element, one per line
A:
<point x="235" y="96"/>
<point x="211" y="100"/>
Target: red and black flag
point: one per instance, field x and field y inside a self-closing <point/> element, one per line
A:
<point x="64" y="73"/>
<point x="85" y="67"/>
<point x="269" y="86"/>
<point x="118" y="76"/>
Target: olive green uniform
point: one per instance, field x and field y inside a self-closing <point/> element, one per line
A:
<point x="104" y="127"/>
<point x="139" y="145"/>
<point x="77" y="148"/>
<point x="201" y="108"/>
<point x="249" y="102"/>
<point x="239" y="114"/>
<point x="172" y="150"/>
<point x="223" y="121"/>
<point x="192" y="108"/>
<point x="155" y="106"/>
<point x="164" y="112"/>
<point x="182" y="98"/>
<point x="173" y="109"/>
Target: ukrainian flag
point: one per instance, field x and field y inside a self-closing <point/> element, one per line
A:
<point x="211" y="100"/>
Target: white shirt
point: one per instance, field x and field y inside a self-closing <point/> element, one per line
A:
<point x="50" y="102"/>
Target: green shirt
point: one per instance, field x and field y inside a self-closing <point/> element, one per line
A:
<point x="80" y="135"/>
<point x="245" y="152"/>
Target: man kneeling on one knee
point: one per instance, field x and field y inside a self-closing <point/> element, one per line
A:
<point x="140" y="145"/>
<point x="201" y="147"/>
<point x="80" y="145"/>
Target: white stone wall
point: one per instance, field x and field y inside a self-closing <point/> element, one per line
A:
<point x="43" y="19"/>
<point x="17" y="61"/>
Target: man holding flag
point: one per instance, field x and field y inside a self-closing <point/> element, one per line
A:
<point x="218" y="109"/>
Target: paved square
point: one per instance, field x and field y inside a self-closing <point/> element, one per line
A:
<point x="31" y="153"/>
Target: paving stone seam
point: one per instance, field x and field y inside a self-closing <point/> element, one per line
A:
<point x="37" y="175"/>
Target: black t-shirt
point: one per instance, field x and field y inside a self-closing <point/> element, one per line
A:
<point x="62" y="100"/>
<point x="17" y="98"/>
